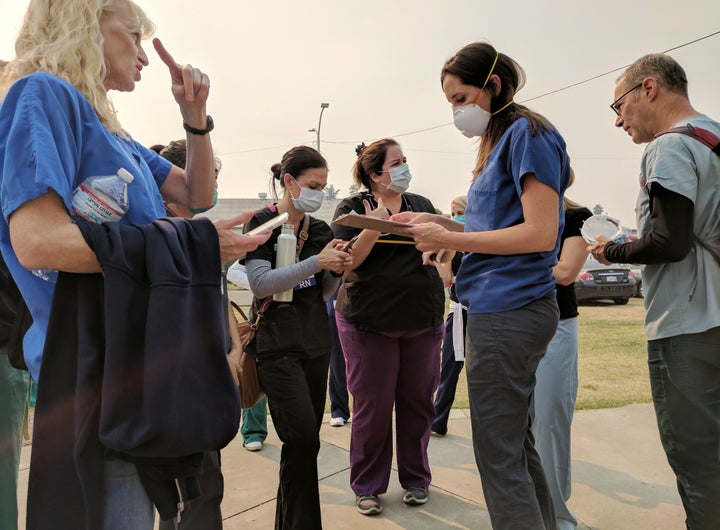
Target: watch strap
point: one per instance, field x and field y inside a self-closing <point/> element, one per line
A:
<point x="210" y="125"/>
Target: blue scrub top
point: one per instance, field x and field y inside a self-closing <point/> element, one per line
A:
<point x="488" y="283"/>
<point x="53" y="140"/>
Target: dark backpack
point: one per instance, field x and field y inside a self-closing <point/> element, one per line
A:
<point x="15" y="318"/>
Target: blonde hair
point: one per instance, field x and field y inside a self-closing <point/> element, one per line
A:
<point x="569" y="204"/>
<point x="460" y="200"/>
<point x="63" y="38"/>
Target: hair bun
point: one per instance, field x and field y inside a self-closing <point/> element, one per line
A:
<point x="276" y="170"/>
<point x="360" y="148"/>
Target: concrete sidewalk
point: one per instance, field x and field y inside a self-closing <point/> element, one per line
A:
<point x="621" y="479"/>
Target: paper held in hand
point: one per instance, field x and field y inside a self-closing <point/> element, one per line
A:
<point x="385" y="226"/>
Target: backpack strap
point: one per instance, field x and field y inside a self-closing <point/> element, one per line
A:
<point x="711" y="141"/>
<point x="303" y="235"/>
<point x="703" y="136"/>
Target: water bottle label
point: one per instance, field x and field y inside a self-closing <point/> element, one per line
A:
<point x="94" y="206"/>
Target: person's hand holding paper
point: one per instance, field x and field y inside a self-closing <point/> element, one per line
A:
<point x="412" y="217"/>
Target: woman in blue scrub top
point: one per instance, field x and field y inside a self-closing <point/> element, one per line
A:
<point x="59" y="128"/>
<point x="510" y="238"/>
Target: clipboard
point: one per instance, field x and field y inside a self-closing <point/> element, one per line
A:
<point x="356" y="220"/>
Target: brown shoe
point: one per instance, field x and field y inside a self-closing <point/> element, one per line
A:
<point x="368" y="504"/>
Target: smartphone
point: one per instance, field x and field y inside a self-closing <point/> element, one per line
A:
<point x="350" y="243"/>
<point x="269" y="226"/>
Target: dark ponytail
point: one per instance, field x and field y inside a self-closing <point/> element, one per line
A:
<point x="296" y="161"/>
<point x="370" y="160"/>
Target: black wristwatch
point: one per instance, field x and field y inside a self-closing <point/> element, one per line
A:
<point x="200" y="132"/>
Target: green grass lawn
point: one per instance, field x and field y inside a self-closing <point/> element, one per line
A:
<point x="613" y="356"/>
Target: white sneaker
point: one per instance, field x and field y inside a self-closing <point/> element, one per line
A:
<point x="254" y="446"/>
<point x="337" y="422"/>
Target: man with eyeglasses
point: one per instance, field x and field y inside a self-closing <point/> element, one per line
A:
<point x="678" y="216"/>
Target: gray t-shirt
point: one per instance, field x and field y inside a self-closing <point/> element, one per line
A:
<point x="683" y="297"/>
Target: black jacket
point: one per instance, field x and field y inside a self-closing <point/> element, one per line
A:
<point x="134" y="367"/>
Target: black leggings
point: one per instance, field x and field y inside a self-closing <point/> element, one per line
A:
<point x="296" y="389"/>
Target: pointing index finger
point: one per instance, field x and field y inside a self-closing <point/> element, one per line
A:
<point x="165" y="57"/>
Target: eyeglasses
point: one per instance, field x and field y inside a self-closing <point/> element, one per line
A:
<point x="614" y="105"/>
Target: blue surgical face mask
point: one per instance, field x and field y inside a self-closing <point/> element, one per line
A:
<point x="400" y="178"/>
<point x="459" y="218"/>
<point x="309" y="200"/>
<point x="201" y="210"/>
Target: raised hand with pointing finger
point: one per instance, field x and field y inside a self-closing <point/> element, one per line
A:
<point x="190" y="87"/>
<point x="194" y="187"/>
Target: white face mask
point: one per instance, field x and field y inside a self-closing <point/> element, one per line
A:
<point x="471" y="120"/>
<point x="309" y="200"/>
<point x="400" y="178"/>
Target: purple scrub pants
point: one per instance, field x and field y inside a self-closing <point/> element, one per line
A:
<point x="399" y="369"/>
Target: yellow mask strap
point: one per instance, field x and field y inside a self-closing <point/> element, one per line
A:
<point x="503" y="107"/>
<point x="492" y="68"/>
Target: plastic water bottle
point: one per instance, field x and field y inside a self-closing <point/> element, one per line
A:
<point x="286" y="248"/>
<point x="49" y="275"/>
<point x="97" y="199"/>
<point x="102" y="199"/>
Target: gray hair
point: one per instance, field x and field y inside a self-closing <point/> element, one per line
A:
<point x="664" y="68"/>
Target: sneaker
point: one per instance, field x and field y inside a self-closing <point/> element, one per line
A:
<point x="254" y="446"/>
<point x="368" y="504"/>
<point x="415" y="496"/>
<point x="337" y="422"/>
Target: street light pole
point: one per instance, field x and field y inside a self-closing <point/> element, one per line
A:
<point x="323" y="106"/>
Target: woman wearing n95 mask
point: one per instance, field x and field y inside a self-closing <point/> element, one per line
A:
<point x="511" y="239"/>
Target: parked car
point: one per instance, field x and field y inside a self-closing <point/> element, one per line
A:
<point x="614" y="282"/>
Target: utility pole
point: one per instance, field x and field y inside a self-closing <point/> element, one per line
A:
<point x="323" y="106"/>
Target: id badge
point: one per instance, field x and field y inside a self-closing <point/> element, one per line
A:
<point x="308" y="282"/>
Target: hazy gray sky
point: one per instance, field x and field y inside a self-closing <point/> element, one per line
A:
<point x="377" y="63"/>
